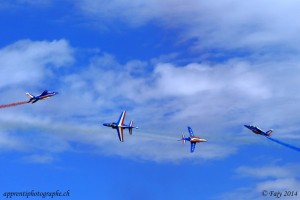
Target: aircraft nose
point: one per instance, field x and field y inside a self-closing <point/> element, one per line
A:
<point x="105" y="124"/>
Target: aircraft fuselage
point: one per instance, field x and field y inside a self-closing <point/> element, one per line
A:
<point x="115" y="125"/>
<point x="196" y="139"/>
<point x="258" y="131"/>
<point x="112" y="125"/>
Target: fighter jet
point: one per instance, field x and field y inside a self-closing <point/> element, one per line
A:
<point x="258" y="131"/>
<point x="192" y="139"/>
<point x="46" y="94"/>
<point x="120" y="126"/>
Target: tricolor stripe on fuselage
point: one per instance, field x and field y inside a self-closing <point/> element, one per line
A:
<point x="46" y="96"/>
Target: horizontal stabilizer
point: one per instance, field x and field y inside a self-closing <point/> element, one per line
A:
<point x="131" y="127"/>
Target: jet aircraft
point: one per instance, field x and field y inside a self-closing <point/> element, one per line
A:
<point x="192" y="139"/>
<point x="120" y="126"/>
<point x="258" y="131"/>
<point x="46" y="94"/>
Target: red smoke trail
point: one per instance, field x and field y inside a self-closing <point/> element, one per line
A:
<point x="13" y="104"/>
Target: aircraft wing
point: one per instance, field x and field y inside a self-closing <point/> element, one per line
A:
<point x="190" y="131"/>
<point x="44" y="93"/>
<point x="254" y="129"/>
<point x="35" y="100"/>
<point x="121" y="118"/>
<point x="120" y="133"/>
<point x="193" y="145"/>
<point x="257" y="130"/>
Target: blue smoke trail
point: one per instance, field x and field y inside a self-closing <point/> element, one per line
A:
<point x="284" y="144"/>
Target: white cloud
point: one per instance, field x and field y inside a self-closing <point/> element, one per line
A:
<point x="198" y="78"/>
<point x="8" y="142"/>
<point x="40" y="159"/>
<point x="29" y="62"/>
<point x="263" y="25"/>
<point x="265" y="172"/>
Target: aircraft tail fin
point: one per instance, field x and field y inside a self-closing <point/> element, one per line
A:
<point x="269" y="132"/>
<point x="130" y="127"/>
<point x="29" y="95"/>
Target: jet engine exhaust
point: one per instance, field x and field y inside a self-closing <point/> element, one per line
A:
<point x="284" y="144"/>
<point x="13" y="104"/>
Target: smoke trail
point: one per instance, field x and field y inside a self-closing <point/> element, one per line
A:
<point x="284" y="144"/>
<point x="156" y="137"/>
<point x="13" y="104"/>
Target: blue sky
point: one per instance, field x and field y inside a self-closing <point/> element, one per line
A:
<point x="214" y="66"/>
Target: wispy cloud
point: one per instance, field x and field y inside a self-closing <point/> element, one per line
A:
<point x="39" y="159"/>
<point x="8" y="142"/>
<point x="20" y="4"/>
<point x="267" y="179"/>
